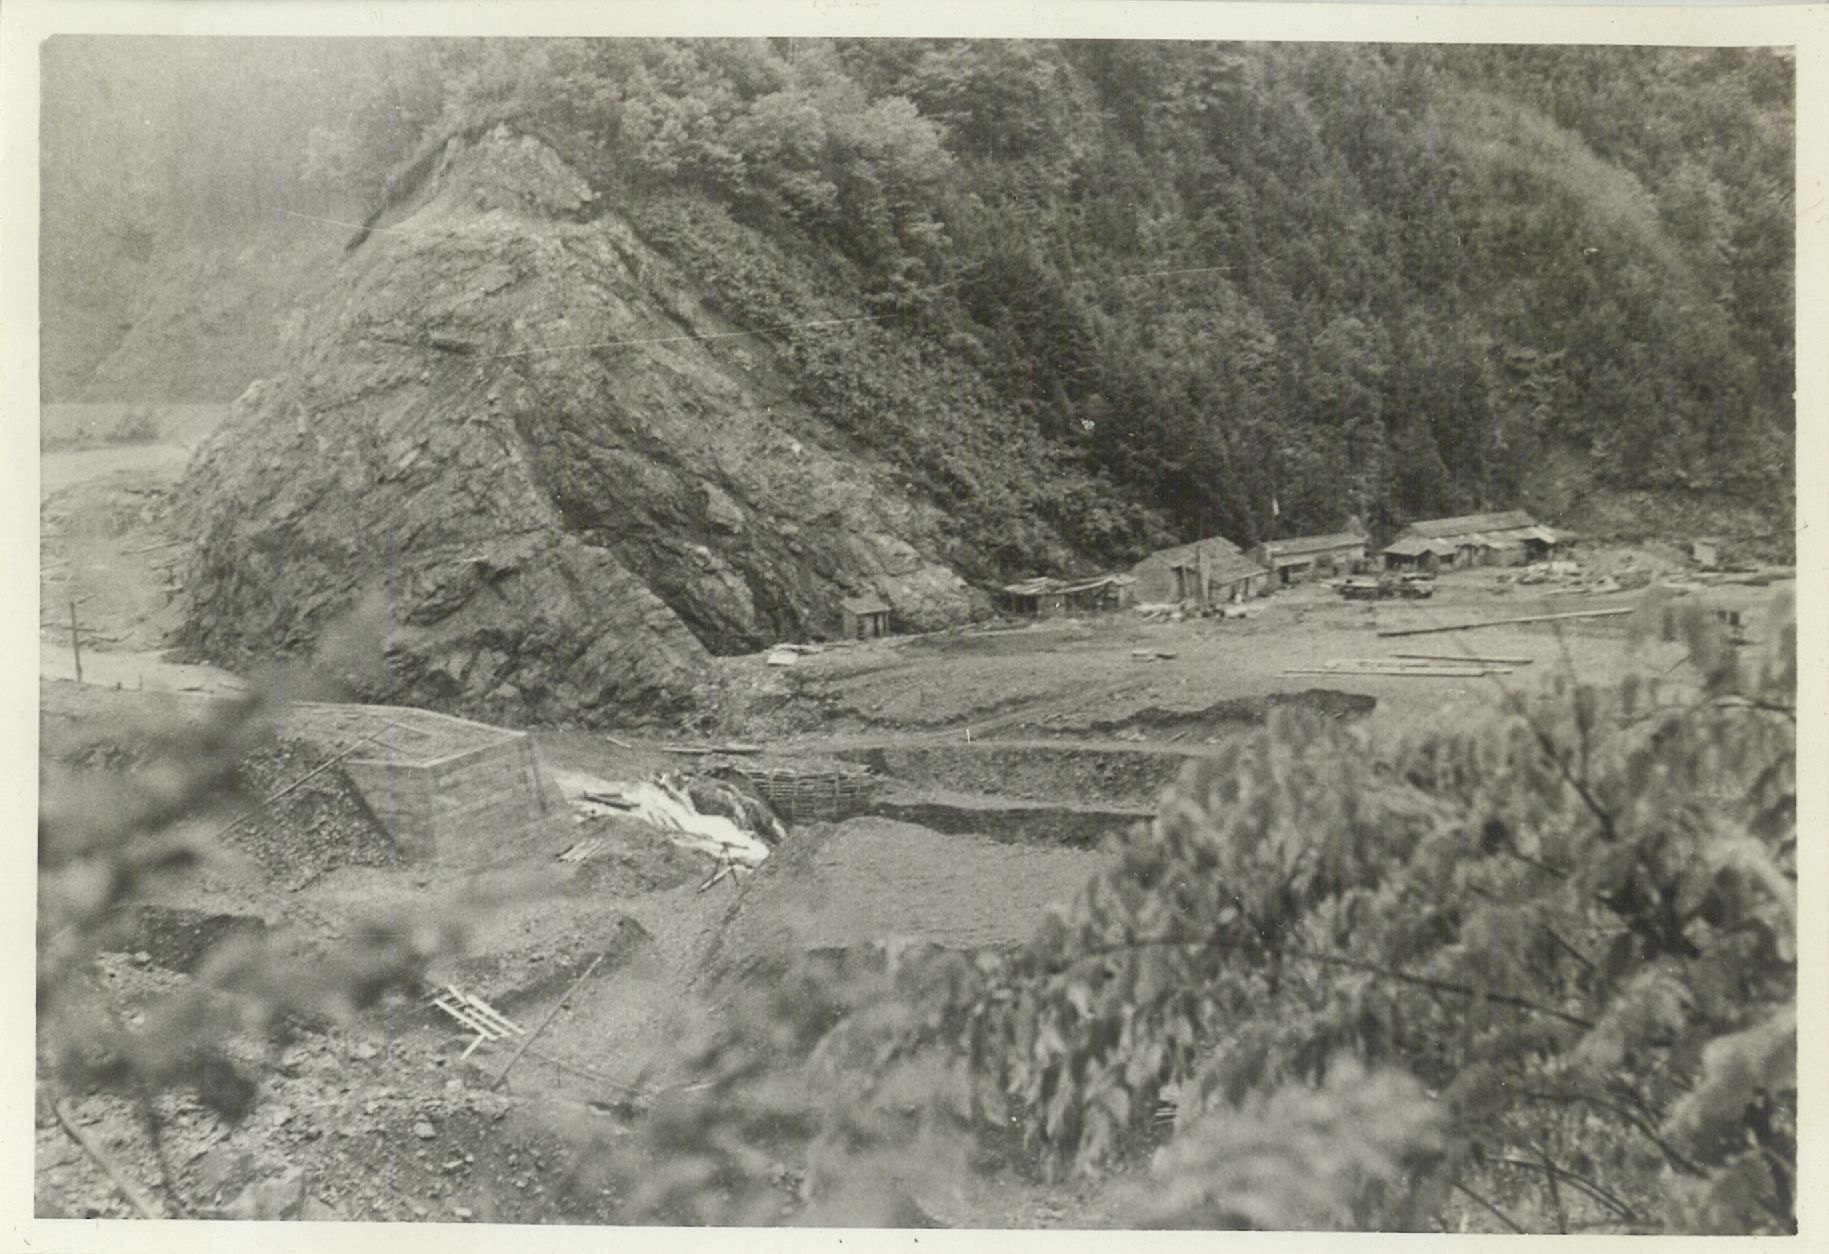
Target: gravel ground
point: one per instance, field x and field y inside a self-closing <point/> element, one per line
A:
<point x="868" y="881"/>
<point x="323" y="823"/>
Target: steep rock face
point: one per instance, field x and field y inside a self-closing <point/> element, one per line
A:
<point x="569" y="482"/>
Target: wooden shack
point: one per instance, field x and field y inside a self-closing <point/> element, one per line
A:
<point x="1205" y="572"/>
<point x="1508" y="538"/>
<point x="1045" y="596"/>
<point x="1301" y="558"/>
<point x="864" y="617"/>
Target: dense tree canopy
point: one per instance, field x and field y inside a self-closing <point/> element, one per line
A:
<point x="1366" y="280"/>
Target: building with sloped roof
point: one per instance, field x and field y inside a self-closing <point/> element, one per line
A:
<point x="1302" y="558"/>
<point x="864" y="617"/>
<point x="1204" y="572"/>
<point x="1506" y="538"/>
<point x="1044" y="596"/>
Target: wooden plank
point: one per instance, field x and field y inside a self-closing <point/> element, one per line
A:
<point x="695" y="751"/>
<point x="527" y="1044"/>
<point x="1467" y="657"/>
<point x="1411" y="673"/>
<point x="313" y="773"/>
<point x="1391" y="664"/>
<point x="118" y="1178"/>
<point x="1509" y="622"/>
<point x="153" y="548"/>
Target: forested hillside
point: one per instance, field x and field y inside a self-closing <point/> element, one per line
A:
<point x="1088" y="295"/>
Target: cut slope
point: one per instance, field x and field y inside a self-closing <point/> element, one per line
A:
<point x="557" y="531"/>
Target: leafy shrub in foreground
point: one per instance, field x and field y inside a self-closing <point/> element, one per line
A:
<point x="1539" y="975"/>
<point x="1575" y="927"/>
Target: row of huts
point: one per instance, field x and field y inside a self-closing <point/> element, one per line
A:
<point x="1511" y="538"/>
<point x="1215" y="570"/>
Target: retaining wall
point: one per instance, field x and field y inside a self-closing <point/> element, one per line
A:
<point x="463" y="806"/>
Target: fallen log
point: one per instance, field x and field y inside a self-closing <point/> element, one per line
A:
<point x="1510" y="622"/>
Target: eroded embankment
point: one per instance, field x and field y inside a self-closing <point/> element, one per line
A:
<point x="1010" y="821"/>
<point x="1234" y="714"/>
<point x="1073" y="792"/>
<point x="1114" y="773"/>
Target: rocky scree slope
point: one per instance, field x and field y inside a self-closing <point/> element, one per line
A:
<point x="556" y="533"/>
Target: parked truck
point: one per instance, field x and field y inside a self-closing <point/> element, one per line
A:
<point x="1388" y="586"/>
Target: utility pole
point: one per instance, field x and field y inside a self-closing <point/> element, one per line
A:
<point x="76" y="644"/>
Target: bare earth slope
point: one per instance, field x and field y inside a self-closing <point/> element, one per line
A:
<point x="557" y="532"/>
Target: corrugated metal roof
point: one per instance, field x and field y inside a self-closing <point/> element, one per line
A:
<point x="1298" y="545"/>
<point x="864" y="605"/>
<point x="1226" y="563"/>
<point x="1042" y="585"/>
<point x="1438" y="528"/>
<point x="1095" y="582"/>
<point x="1221" y="567"/>
<point x="1416" y="546"/>
<point x="1215" y="545"/>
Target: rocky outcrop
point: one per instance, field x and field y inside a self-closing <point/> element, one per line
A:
<point x="568" y="483"/>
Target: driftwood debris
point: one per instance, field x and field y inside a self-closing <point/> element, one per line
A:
<point x="1508" y="622"/>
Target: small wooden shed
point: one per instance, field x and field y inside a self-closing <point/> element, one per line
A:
<point x="864" y="617"/>
<point x="1302" y="558"/>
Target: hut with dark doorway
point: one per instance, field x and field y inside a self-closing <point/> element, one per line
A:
<point x="1301" y="558"/>
<point x="863" y="617"/>
<point x="1508" y="538"/>
<point x="1204" y="572"/>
